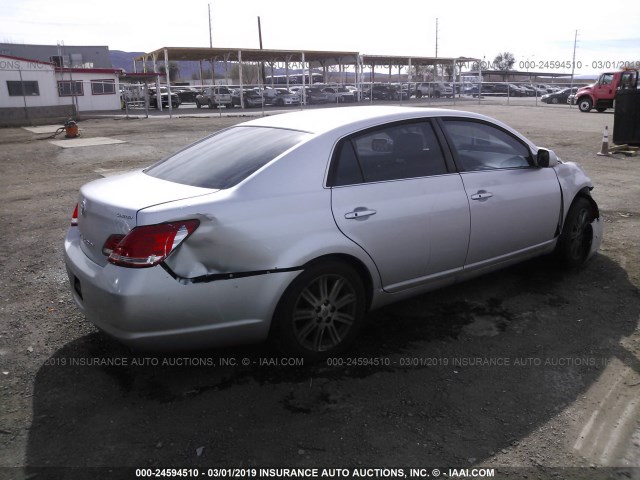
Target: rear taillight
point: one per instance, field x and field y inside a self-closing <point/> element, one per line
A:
<point x="148" y="245"/>
<point x="74" y="217"/>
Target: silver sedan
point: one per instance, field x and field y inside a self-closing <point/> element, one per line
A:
<point x="296" y="225"/>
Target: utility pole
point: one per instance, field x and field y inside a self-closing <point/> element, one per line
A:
<point x="436" y="38"/>
<point x="264" y="78"/>
<point x="436" y="65"/>
<point x="573" y="62"/>
<point x="210" y="37"/>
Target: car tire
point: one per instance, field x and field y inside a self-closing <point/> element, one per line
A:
<point x="576" y="238"/>
<point x="418" y="94"/>
<point x="554" y="100"/>
<point x="585" y="105"/>
<point x="210" y="104"/>
<point x="321" y="312"/>
<point x="198" y="104"/>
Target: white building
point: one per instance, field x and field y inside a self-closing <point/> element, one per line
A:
<point x="32" y="91"/>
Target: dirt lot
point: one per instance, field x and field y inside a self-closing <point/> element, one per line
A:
<point x="532" y="370"/>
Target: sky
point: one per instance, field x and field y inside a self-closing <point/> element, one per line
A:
<point x="540" y="34"/>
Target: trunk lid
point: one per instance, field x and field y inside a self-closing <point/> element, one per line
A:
<point x="110" y="206"/>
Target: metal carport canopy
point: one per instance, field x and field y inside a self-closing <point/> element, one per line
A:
<point x="314" y="57"/>
<point x="324" y="58"/>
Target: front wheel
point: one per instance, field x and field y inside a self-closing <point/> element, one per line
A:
<point x="576" y="238"/>
<point x="585" y="104"/>
<point x="321" y="312"/>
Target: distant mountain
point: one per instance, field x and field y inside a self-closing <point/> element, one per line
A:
<point x="120" y="59"/>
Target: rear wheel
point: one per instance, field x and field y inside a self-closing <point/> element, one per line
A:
<point x="210" y="104"/>
<point x="576" y="238"/>
<point x="321" y="312"/>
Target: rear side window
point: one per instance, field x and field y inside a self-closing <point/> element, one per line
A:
<point x="480" y="146"/>
<point x="393" y="152"/>
<point x="226" y="158"/>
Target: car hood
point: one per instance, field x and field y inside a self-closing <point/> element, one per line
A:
<point x="111" y="205"/>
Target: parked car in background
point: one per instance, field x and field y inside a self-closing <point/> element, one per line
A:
<point x="537" y="91"/>
<point x="339" y="94"/>
<point x="547" y="88"/>
<point x="285" y="97"/>
<point x="250" y="96"/>
<point x="312" y="95"/>
<point x="186" y="94"/>
<point x="215" y="96"/>
<point x="483" y="88"/>
<point x="353" y="89"/>
<point x="298" y="225"/>
<point x="164" y="98"/>
<point x="433" y="89"/>
<point x="379" y="92"/>
<point x="561" y="96"/>
<point x="401" y="91"/>
<point x="516" y="90"/>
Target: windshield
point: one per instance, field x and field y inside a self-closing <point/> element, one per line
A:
<point x="224" y="159"/>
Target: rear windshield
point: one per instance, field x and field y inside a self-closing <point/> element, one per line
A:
<point x="226" y="158"/>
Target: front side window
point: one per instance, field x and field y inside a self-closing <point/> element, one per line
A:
<point x="24" y="88"/>
<point x="103" y="87"/>
<point x="606" y="79"/>
<point x="66" y="88"/>
<point x="393" y="152"/>
<point x="480" y="146"/>
<point x="224" y="159"/>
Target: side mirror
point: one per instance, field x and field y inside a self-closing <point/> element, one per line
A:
<point x="542" y="158"/>
<point x="546" y="158"/>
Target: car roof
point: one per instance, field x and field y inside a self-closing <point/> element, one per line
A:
<point x="323" y="120"/>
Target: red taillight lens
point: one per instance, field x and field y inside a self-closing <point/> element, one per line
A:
<point x="74" y="217"/>
<point x="147" y="245"/>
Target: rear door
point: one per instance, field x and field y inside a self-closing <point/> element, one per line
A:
<point x="514" y="205"/>
<point x="394" y="196"/>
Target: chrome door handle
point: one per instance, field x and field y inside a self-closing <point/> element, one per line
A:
<point x="359" y="213"/>
<point x="481" y="195"/>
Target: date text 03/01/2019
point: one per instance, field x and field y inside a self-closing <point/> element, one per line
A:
<point x="329" y="473"/>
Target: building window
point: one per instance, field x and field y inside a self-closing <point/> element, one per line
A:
<point x="66" y="88"/>
<point x="18" y="88"/>
<point x="103" y="87"/>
